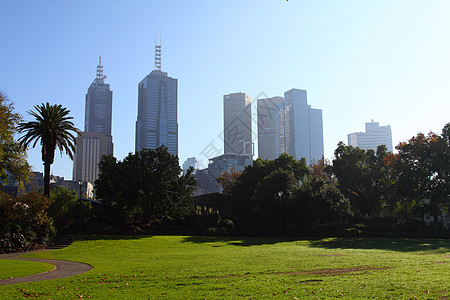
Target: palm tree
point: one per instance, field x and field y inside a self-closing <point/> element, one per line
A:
<point x="53" y="128"/>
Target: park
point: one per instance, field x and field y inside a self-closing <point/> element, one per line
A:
<point x="368" y="224"/>
<point x="206" y="267"/>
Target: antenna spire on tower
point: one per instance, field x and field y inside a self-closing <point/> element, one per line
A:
<point x="158" y="53"/>
<point x="100" y="76"/>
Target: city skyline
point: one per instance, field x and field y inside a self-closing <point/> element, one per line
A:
<point x="354" y="66"/>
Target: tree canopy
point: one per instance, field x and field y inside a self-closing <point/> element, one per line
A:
<point x="146" y="185"/>
<point x="421" y="174"/>
<point x="12" y="156"/>
<point x="362" y="177"/>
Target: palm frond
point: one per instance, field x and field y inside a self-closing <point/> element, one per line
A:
<point x="53" y="127"/>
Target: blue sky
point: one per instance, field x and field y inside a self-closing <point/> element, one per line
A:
<point x="358" y="60"/>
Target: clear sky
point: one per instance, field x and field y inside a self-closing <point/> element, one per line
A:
<point x="359" y="60"/>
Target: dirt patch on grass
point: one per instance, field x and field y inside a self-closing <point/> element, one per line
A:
<point x="447" y="256"/>
<point x="333" y="271"/>
<point x="310" y="281"/>
<point x="331" y="255"/>
<point x="325" y="272"/>
<point x="441" y="262"/>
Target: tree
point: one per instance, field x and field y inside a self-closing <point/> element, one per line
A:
<point x="63" y="207"/>
<point x="227" y="180"/>
<point x="323" y="170"/>
<point x="320" y="202"/>
<point x="272" y="196"/>
<point x="261" y="182"/>
<point x="12" y="155"/>
<point x="421" y="174"/>
<point x="362" y="177"/>
<point x="53" y="128"/>
<point x="147" y="185"/>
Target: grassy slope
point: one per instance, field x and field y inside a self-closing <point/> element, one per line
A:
<point x="18" y="268"/>
<point x="171" y="267"/>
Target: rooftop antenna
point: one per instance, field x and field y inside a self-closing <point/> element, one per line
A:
<point x="100" y="77"/>
<point x="158" y="52"/>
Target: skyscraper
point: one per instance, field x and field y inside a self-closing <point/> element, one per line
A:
<point x="98" y="110"/>
<point x="299" y="127"/>
<point x="267" y="126"/>
<point x="96" y="140"/>
<point x="157" y="120"/>
<point x="190" y="162"/>
<point x="374" y="136"/>
<point x="237" y="124"/>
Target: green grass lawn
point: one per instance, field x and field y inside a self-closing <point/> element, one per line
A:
<point x="18" y="268"/>
<point x="177" y="267"/>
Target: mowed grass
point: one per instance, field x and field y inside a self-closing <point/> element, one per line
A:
<point x="19" y="268"/>
<point x="177" y="267"/>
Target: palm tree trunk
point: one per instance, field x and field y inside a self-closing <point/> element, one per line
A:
<point x="46" y="179"/>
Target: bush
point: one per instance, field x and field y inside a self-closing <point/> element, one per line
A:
<point x="24" y="223"/>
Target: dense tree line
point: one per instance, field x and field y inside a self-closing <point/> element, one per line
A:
<point x="282" y="197"/>
<point x="284" y="194"/>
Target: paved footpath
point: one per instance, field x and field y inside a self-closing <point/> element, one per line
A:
<point x="63" y="268"/>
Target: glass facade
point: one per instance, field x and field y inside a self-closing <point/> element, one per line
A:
<point x="157" y="120"/>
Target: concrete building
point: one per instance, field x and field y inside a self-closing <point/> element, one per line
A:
<point x="157" y="118"/>
<point x="91" y="146"/>
<point x="206" y="178"/>
<point x="374" y="136"/>
<point x="237" y="124"/>
<point x="37" y="183"/>
<point x="299" y="127"/>
<point x="190" y="162"/>
<point x="96" y="140"/>
<point x="267" y="126"/>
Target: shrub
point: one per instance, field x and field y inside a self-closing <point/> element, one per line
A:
<point x="24" y="223"/>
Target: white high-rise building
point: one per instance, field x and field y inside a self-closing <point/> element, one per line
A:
<point x="299" y="127"/>
<point x="91" y="146"/>
<point x="374" y="136"/>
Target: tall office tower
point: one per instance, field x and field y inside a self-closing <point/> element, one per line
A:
<point x="237" y="124"/>
<point x="157" y="120"/>
<point x="98" y="110"/>
<point x="267" y="140"/>
<point x="374" y="136"/>
<point x="299" y="127"/>
<point x="96" y="140"/>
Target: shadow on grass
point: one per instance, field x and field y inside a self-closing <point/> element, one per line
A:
<point x="237" y="241"/>
<point x="99" y="237"/>
<point x="436" y="246"/>
<point x="393" y="244"/>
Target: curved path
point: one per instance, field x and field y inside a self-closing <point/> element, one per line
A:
<point x="63" y="268"/>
